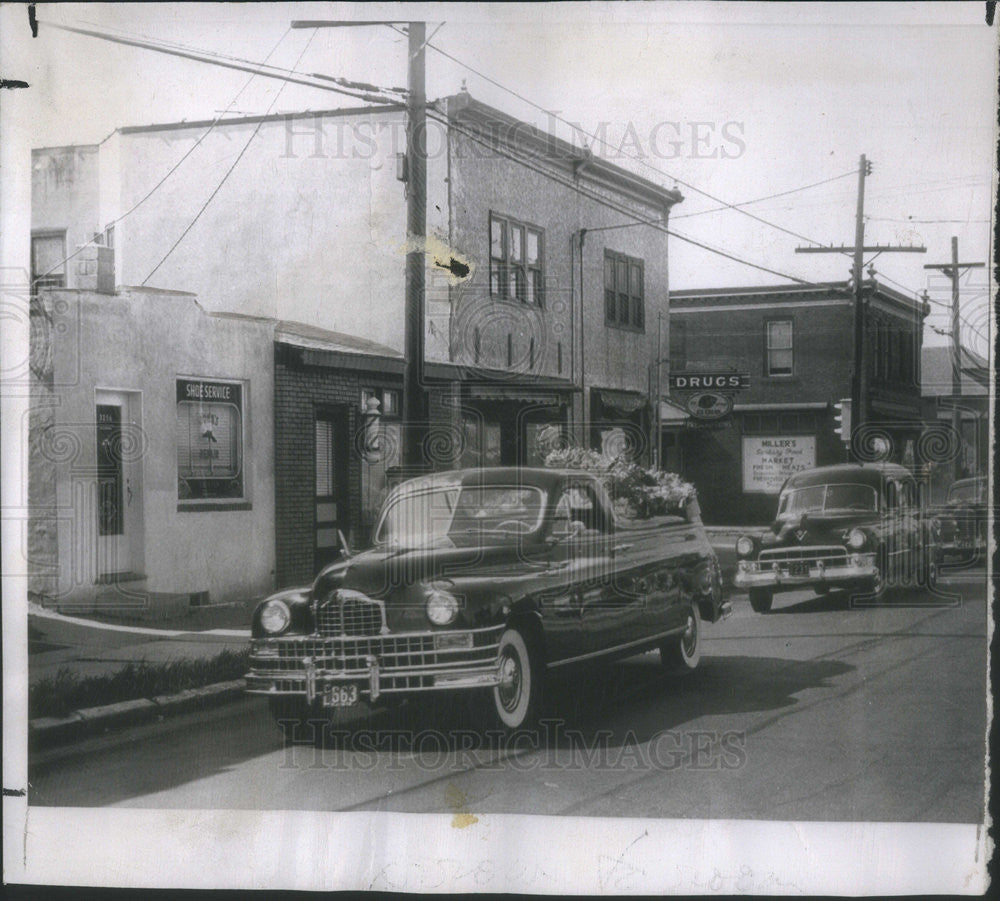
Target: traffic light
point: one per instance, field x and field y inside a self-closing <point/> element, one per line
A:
<point x="842" y="418"/>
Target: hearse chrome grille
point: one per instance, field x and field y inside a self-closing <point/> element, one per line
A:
<point x="783" y="557"/>
<point x="350" y="613"/>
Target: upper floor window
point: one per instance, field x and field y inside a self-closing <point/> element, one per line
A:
<point x="624" y="297"/>
<point x="48" y="261"/>
<point x="516" y="260"/>
<point x="778" y="350"/>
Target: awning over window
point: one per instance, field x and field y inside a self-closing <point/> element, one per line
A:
<point x="619" y="403"/>
<point x="671" y="414"/>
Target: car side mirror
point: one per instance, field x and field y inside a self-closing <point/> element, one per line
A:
<point x="345" y="548"/>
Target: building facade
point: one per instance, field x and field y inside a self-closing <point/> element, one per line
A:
<point x="795" y="346"/>
<point x="179" y="457"/>
<point x="546" y="268"/>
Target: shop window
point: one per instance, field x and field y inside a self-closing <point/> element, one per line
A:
<point x="516" y="260"/>
<point x="480" y="442"/>
<point x="778" y="349"/>
<point x="388" y="401"/>
<point x="48" y="261"/>
<point x="209" y="440"/>
<point x="624" y="291"/>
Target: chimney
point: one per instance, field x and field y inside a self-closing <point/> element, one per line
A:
<point x="95" y="268"/>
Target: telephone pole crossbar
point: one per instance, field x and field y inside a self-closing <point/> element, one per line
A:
<point x="858" y="250"/>
<point x="954" y="270"/>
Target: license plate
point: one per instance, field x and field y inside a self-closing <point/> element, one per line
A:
<point x="340" y="695"/>
<point x="799" y="569"/>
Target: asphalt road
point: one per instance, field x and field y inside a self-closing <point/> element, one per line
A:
<point x="817" y="711"/>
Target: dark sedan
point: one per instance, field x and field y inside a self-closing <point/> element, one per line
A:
<point x="486" y="580"/>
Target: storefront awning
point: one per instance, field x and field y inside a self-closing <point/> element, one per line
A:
<point x="622" y="403"/>
<point x="671" y="414"/>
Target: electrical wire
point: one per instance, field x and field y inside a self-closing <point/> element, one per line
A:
<point x="229" y="171"/>
<point x="743" y="203"/>
<point x="599" y="140"/>
<point x="624" y="211"/>
<point x="176" y="165"/>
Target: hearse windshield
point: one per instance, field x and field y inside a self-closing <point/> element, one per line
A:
<point x="453" y="514"/>
<point x="828" y="499"/>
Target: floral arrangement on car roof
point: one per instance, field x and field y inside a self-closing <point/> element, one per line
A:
<point x="638" y="492"/>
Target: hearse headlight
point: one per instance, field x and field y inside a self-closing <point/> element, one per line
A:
<point x="442" y="606"/>
<point x="744" y="546"/>
<point x="274" y="616"/>
<point x="856" y="539"/>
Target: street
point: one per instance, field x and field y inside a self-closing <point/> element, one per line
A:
<point x="817" y="711"/>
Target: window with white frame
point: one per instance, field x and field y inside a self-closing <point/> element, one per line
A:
<point x="778" y="350"/>
<point x="516" y="260"/>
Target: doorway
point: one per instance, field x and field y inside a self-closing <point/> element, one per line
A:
<point x="119" y="486"/>
<point x="332" y="511"/>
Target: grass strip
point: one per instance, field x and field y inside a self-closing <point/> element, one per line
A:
<point x="67" y="691"/>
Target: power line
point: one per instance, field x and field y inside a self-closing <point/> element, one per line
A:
<point x="176" y="165"/>
<point x="600" y="140"/>
<point x="229" y="171"/>
<point x="368" y="94"/>
<point x="770" y="196"/>
<point x="603" y="201"/>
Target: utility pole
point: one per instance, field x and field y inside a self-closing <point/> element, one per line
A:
<point x="953" y="271"/>
<point x="414" y="398"/>
<point x="859" y="373"/>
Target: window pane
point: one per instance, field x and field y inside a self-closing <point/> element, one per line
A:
<point x="638" y="316"/>
<point x="516" y="243"/>
<point x="623" y="308"/>
<point x="494" y="279"/>
<point x="529" y="288"/>
<point x="496" y="238"/>
<point x="516" y="283"/>
<point x="610" y="305"/>
<point x="536" y="286"/>
<point x="780" y="362"/>
<point x="622" y="276"/>
<point x="635" y="283"/>
<point x="533" y="245"/>
<point x="609" y="273"/>
<point x="779" y="334"/>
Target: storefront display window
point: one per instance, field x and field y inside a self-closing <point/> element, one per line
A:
<point x="209" y="440"/>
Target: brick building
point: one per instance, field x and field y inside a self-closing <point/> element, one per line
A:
<point x="796" y="345"/>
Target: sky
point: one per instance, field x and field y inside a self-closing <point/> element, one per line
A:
<point x="739" y="101"/>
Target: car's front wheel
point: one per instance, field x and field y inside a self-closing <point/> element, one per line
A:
<point x="517" y="700"/>
<point x="682" y="653"/>
<point x="761" y="599"/>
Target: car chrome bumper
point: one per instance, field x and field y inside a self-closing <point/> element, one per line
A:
<point x="396" y="663"/>
<point x="829" y="575"/>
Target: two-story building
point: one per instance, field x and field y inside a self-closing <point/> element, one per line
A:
<point x="546" y="274"/>
<point x="795" y="346"/>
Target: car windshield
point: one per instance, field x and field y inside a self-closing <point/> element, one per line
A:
<point x="967" y="493"/>
<point x="452" y="514"/>
<point x="828" y="498"/>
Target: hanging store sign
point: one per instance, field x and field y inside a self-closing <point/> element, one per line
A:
<point x="709" y="405"/>
<point x="709" y="381"/>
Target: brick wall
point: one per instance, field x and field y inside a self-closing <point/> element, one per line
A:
<point x="299" y="391"/>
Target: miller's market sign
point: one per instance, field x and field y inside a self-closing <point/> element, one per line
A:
<point x="709" y="381"/>
<point x="768" y="461"/>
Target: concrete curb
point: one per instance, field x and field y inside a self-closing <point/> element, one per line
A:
<point x="46" y="731"/>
